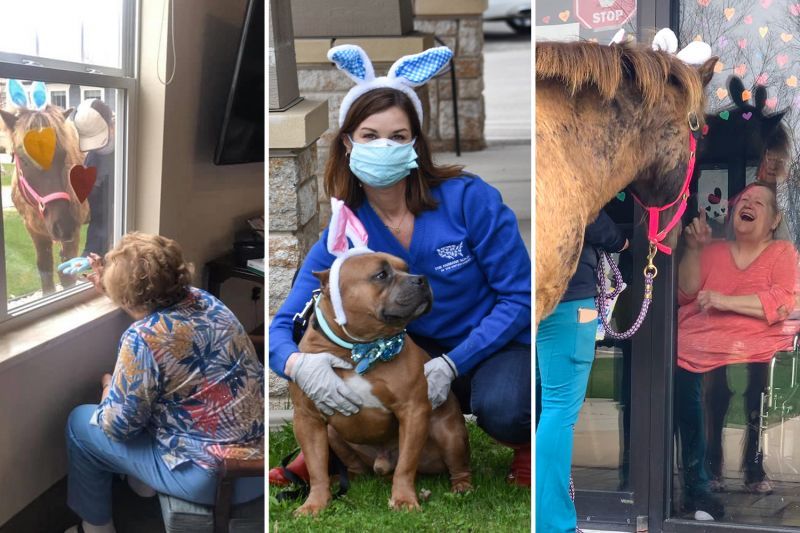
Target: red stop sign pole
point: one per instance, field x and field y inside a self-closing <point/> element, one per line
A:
<point x="604" y="14"/>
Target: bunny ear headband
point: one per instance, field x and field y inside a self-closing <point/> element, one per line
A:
<point x="20" y="97"/>
<point x="406" y="73"/>
<point x="695" y="53"/>
<point x="344" y="224"/>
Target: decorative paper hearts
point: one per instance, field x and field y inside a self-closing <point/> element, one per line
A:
<point x="762" y="31"/>
<point x="786" y="37"/>
<point x="772" y="103"/>
<point x="719" y="66"/>
<point x="724" y="115"/>
<point x="748" y="115"/>
<point x="766" y="3"/>
<point x="792" y="81"/>
<point x="762" y="78"/>
<point x="729" y="12"/>
<point x="564" y="15"/>
<point x="546" y="19"/>
<point x="722" y="93"/>
<point x="82" y="180"/>
<point x="715" y="197"/>
<point x="740" y="70"/>
<point x="782" y="60"/>
<point x="794" y="9"/>
<point x="40" y="145"/>
<point x="748" y="19"/>
<point x="742" y="43"/>
<point x="746" y="95"/>
<point x="621" y="196"/>
<point x="703" y="3"/>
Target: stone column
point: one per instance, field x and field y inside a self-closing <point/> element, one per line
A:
<point x="294" y="126"/>
<point x="459" y="24"/>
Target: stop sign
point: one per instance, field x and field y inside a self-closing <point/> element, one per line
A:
<point x="604" y="14"/>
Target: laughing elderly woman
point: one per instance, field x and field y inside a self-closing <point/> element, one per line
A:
<point x="187" y="390"/>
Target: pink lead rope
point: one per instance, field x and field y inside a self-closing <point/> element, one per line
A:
<point x="32" y="196"/>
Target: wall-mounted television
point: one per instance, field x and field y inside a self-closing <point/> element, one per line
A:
<point x="242" y="137"/>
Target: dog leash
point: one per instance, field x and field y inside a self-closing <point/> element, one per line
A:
<point x="335" y="467"/>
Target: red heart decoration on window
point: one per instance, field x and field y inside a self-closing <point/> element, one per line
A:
<point x="82" y="180"/>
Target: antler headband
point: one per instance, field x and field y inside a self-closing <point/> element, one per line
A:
<point x="344" y="224"/>
<point x="405" y="74"/>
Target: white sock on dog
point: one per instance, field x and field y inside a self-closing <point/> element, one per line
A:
<point x="140" y="487"/>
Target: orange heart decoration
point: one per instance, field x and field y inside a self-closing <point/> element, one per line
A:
<point x="82" y="180"/>
<point x="40" y="145"/>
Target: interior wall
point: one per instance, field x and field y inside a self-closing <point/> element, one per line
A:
<point x="37" y="395"/>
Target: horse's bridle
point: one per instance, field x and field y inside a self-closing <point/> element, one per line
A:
<point x="33" y="197"/>
<point x="655" y="237"/>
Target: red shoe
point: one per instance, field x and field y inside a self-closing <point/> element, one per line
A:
<point x="297" y="467"/>
<point x="520" y="474"/>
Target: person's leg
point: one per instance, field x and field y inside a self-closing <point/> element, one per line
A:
<point x="717" y="399"/>
<point x="752" y="458"/>
<point x="93" y="458"/>
<point x="564" y="355"/>
<point x="97" y="233"/>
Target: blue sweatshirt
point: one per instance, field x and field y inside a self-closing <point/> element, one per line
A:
<point x="470" y="249"/>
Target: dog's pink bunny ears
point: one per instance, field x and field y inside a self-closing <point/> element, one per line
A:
<point x="344" y="225"/>
<point x="405" y="74"/>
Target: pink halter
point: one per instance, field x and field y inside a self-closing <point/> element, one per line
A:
<point x="32" y="196"/>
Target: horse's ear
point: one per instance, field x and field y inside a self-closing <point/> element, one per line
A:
<point x="735" y="90"/>
<point x="761" y="97"/>
<point x="9" y="119"/>
<point x="771" y="123"/>
<point x="67" y="112"/>
<point x="706" y="70"/>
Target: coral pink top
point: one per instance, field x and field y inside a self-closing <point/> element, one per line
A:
<point x="711" y="339"/>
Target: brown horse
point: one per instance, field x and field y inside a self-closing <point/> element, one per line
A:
<point x="606" y="117"/>
<point x="59" y="220"/>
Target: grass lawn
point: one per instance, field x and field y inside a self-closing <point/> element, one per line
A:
<point x="492" y="506"/>
<point x="21" y="273"/>
<point x="5" y="174"/>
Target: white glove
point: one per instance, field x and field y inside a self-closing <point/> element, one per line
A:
<point x="440" y="372"/>
<point x="313" y="373"/>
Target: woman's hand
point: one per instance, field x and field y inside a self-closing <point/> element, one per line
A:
<point x="698" y="233"/>
<point x="712" y="300"/>
<point x="96" y="277"/>
<point x="313" y="373"/>
<point x="106" y="382"/>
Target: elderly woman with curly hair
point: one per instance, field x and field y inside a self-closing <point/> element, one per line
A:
<point x="187" y="389"/>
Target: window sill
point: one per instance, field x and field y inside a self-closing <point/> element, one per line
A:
<point x="20" y="343"/>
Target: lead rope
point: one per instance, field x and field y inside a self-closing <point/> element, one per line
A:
<point x="603" y="297"/>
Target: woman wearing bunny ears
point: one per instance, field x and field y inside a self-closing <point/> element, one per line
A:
<point x="447" y="225"/>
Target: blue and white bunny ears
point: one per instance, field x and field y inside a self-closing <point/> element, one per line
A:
<point x="37" y="99"/>
<point x="406" y="73"/>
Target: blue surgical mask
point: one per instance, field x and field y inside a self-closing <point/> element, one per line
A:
<point x="382" y="162"/>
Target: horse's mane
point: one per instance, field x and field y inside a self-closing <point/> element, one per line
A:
<point x="582" y="63"/>
<point x="50" y="117"/>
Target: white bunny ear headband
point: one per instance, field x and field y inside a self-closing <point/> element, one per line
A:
<point x="406" y="73"/>
<point x="344" y="224"/>
<point x="695" y="53"/>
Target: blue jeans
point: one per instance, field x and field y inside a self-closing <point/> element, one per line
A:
<point x="497" y="391"/>
<point x="94" y="458"/>
<point x="692" y="432"/>
<point x="564" y="355"/>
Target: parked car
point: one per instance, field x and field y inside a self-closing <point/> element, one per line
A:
<point x="515" y="13"/>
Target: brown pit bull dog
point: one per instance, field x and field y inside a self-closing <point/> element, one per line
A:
<point x="395" y="429"/>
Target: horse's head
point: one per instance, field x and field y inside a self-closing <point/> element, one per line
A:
<point x="675" y="119"/>
<point x="740" y="131"/>
<point x="60" y="215"/>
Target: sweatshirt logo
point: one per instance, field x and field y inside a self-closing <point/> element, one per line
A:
<point x="454" y="257"/>
<point x="451" y="251"/>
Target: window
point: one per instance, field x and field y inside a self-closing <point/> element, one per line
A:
<point x="58" y="99"/>
<point x="66" y="199"/>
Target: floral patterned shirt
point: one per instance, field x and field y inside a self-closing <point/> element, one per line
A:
<point x="189" y="375"/>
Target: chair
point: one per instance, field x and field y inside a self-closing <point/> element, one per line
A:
<point x="181" y="516"/>
<point x="777" y="403"/>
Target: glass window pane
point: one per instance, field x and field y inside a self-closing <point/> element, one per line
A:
<point x="89" y="31"/>
<point x="736" y="381"/>
<point x="568" y="20"/>
<point x="74" y="180"/>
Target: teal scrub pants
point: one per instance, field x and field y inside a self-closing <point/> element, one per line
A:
<point x="564" y="355"/>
